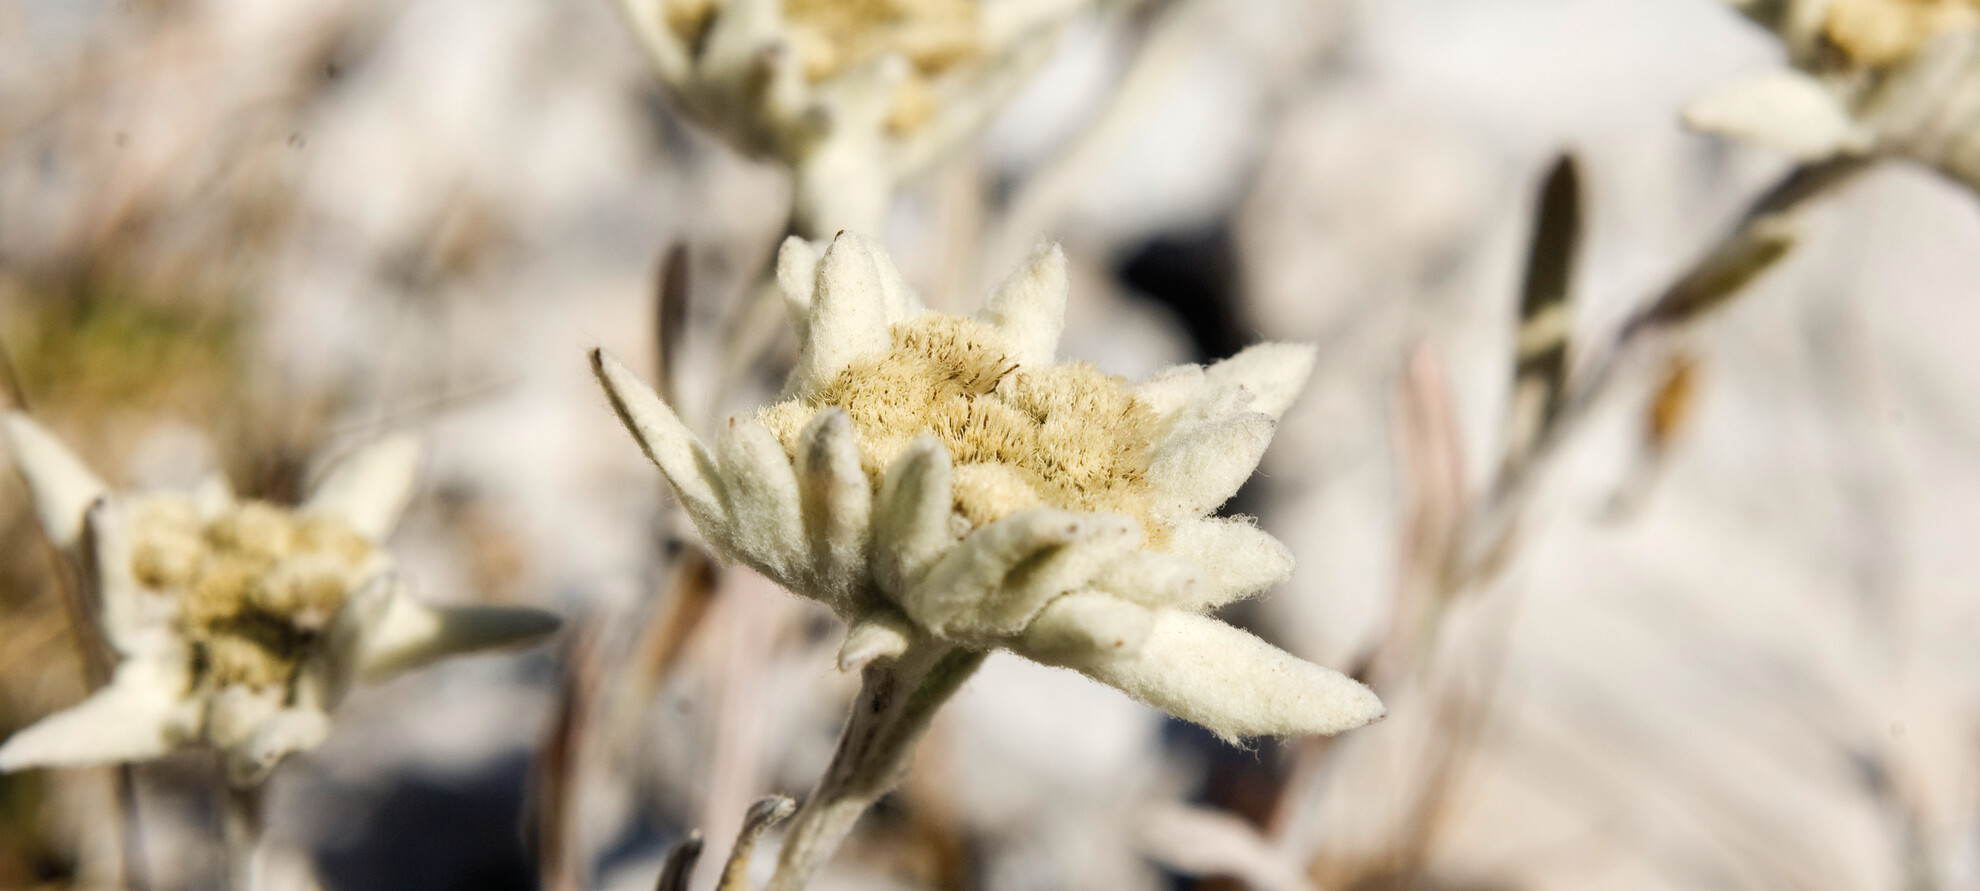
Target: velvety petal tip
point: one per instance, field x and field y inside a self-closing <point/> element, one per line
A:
<point x="661" y="435"/>
<point x="1207" y="672"/>
<point x="370" y="488"/>
<point x="412" y="634"/>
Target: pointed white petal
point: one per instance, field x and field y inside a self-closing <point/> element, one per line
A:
<point x="998" y="578"/>
<point x="369" y="488"/>
<point x="1086" y="625"/>
<point x="411" y="634"/>
<point x="1783" y="110"/>
<point x="836" y="501"/>
<point x="667" y="443"/>
<point x="797" y="278"/>
<point x="1029" y="308"/>
<point x="1238" y="559"/>
<point x="911" y="527"/>
<point x="1200" y="466"/>
<point x="62" y="485"/>
<point x="760" y="493"/>
<point x="879" y="634"/>
<point x="1207" y="672"/>
<point x="849" y="312"/>
<point x="1153" y="578"/>
<point x="1273" y="373"/>
<point x="899" y="299"/>
<point x="135" y="718"/>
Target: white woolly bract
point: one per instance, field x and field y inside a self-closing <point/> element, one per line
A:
<point x="61" y="484"/>
<point x="1787" y="111"/>
<point x="1207" y="672"/>
<point x="1029" y="308"/>
<point x="141" y="714"/>
<point x="371" y="487"/>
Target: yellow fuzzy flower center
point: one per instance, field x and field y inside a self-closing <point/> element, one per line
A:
<point x="1065" y="436"/>
<point x="254" y="585"/>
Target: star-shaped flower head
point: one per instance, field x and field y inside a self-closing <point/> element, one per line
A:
<point x="1871" y="77"/>
<point x="854" y="96"/>
<point x="931" y="476"/>
<point x="237" y="624"/>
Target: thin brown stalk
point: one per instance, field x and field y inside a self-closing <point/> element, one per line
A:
<point x="762" y="815"/>
<point x="672" y="287"/>
<point x="555" y="775"/>
<point x="676" y="872"/>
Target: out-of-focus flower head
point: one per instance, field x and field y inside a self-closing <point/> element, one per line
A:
<point x="855" y="95"/>
<point x="933" y="477"/>
<point x="237" y="624"/>
<point x="1870" y="77"/>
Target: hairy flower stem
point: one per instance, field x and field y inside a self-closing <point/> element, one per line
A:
<point x="897" y="699"/>
<point x="241" y="819"/>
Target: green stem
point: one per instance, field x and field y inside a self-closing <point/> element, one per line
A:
<point x="897" y="699"/>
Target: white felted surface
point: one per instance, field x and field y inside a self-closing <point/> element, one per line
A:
<point x="1273" y="373"/>
<point x="663" y="437"/>
<point x="1085" y="622"/>
<point x="835" y="501"/>
<point x="760" y="492"/>
<point x="1172" y="389"/>
<point x="1202" y="670"/>
<point x="1029" y="308"/>
<point x="1238" y="558"/>
<point x="998" y="577"/>
<point x="1154" y="578"/>
<point x="911" y="522"/>
<point x="797" y="280"/>
<point x="1201" y="466"/>
<point x="879" y="634"/>
<point x="849" y="315"/>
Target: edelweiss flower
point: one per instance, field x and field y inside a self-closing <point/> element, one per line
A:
<point x="936" y="478"/>
<point x="854" y="96"/>
<point x="236" y="624"/>
<point x="1874" y="77"/>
